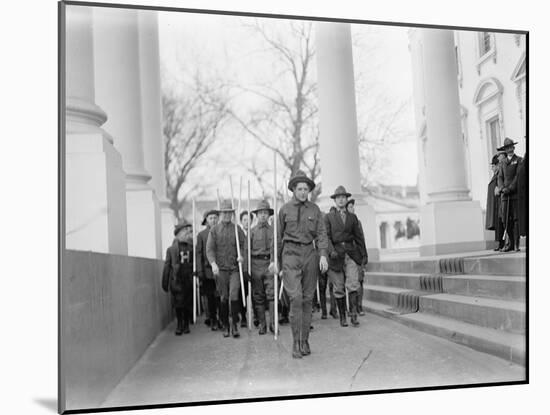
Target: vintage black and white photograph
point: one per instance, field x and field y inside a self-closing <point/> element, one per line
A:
<point x="262" y="207"/>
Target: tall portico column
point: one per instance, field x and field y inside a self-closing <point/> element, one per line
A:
<point x="339" y="146"/>
<point x="118" y="91"/>
<point x="450" y="221"/>
<point x="95" y="202"/>
<point x="151" y="104"/>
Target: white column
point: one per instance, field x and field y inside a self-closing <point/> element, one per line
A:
<point x="118" y="91"/>
<point x="151" y="104"/>
<point x="339" y="146"/>
<point x="95" y="202"/>
<point x="450" y="221"/>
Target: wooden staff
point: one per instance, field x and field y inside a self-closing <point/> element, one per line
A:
<point x="249" y="309"/>
<point x="238" y="245"/>
<point x="347" y="300"/>
<point x="281" y="290"/>
<point x="276" y="252"/>
<point x="194" y="267"/>
<point x="218" y="196"/>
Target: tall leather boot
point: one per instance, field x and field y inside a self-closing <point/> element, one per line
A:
<point x="360" y="301"/>
<point x="296" y="349"/>
<point x="341" y="302"/>
<point x="212" y="312"/>
<point x="272" y="317"/>
<point x="333" y="303"/>
<point x="224" y="317"/>
<point x="353" y="308"/>
<point x="179" y="319"/>
<point x="235" y="310"/>
<point x="260" y="314"/>
<point x="323" y="306"/>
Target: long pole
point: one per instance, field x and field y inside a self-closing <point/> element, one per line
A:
<point x="238" y="245"/>
<point x="276" y="252"/>
<point x="218" y="197"/>
<point x="194" y="266"/>
<point x="249" y="309"/>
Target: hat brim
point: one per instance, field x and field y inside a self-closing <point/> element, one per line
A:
<point x="506" y="146"/>
<point x="296" y="180"/>
<point x="178" y="228"/>
<point x="271" y="211"/>
<point x="210" y="212"/>
<point x="340" y="194"/>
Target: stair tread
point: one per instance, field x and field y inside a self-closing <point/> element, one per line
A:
<point x="387" y="288"/>
<point x="479" y="301"/>
<point x="488" y="334"/>
<point x="484" y="277"/>
<point x="396" y="273"/>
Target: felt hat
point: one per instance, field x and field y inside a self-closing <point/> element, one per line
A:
<point x="263" y="205"/>
<point x="180" y="226"/>
<point x="340" y="191"/>
<point x="226" y="206"/>
<point x="507" y="143"/>
<point x="300" y="177"/>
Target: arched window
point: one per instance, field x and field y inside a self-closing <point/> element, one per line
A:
<point x="518" y="76"/>
<point x="488" y="99"/>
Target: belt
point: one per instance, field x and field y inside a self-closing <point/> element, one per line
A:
<point x="261" y="256"/>
<point x="299" y="243"/>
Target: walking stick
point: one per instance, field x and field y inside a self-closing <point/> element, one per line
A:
<point x="507" y="216"/>
<point x="194" y="267"/>
<point x="347" y="300"/>
<point x="281" y="290"/>
<point x="218" y="196"/>
<point x="249" y="309"/>
<point x="238" y="245"/>
<point x="318" y="293"/>
<point x="276" y="252"/>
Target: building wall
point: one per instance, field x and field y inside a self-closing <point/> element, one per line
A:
<point x="496" y="72"/>
<point x="112" y="308"/>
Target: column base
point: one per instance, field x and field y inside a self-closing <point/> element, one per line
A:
<point x="143" y="222"/>
<point x="95" y="202"/>
<point x="451" y="227"/>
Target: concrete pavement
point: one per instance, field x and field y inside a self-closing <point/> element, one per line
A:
<point x="380" y="354"/>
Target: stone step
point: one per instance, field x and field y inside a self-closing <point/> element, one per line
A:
<point x="503" y="264"/>
<point x="427" y="266"/>
<point x="394" y="279"/>
<point x="509" y="346"/>
<point x="383" y="294"/>
<point x="490" y="286"/>
<point x="485" y="312"/>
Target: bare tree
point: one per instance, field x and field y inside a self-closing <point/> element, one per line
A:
<point x="193" y="115"/>
<point x="286" y="122"/>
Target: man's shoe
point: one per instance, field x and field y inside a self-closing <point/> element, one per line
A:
<point x="305" y="350"/>
<point x="296" y="352"/>
<point x="185" y="328"/>
<point x="214" y="325"/>
<point x="508" y="249"/>
<point x="354" y="321"/>
<point x="256" y="322"/>
<point x="243" y="322"/>
<point x="262" y="329"/>
<point x="324" y="316"/>
<point x="284" y="320"/>
<point x="235" y="330"/>
<point x="333" y="313"/>
<point x="207" y="322"/>
<point x="226" y="331"/>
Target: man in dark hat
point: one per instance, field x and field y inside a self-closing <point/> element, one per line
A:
<point x="204" y="271"/>
<point x="261" y="239"/>
<point x="507" y="183"/>
<point x="221" y="251"/>
<point x="493" y="220"/>
<point x="177" y="275"/>
<point x="347" y="253"/>
<point x="299" y="224"/>
<point x="350" y="207"/>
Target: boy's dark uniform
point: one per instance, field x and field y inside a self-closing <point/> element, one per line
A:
<point x="299" y="225"/>
<point x="204" y="271"/>
<point x="221" y="249"/>
<point x="507" y="182"/>
<point x="177" y="277"/>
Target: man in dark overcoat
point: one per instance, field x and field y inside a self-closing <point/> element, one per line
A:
<point x="347" y="253"/>
<point x="507" y="183"/>
<point x="493" y="218"/>
<point x="522" y="196"/>
<point x="350" y="206"/>
<point x="204" y="271"/>
<point x="177" y="275"/>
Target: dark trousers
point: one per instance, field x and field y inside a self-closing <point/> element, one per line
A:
<point x="510" y="221"/>
<point x="323" y="282"/>
<point x="300" y="272"/>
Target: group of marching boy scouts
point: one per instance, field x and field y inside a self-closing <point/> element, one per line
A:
<point x="282" y="265"/>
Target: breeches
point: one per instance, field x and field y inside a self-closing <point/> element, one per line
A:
<point x="348" y="278"/>
<point x="228" y="285"/>
<point x="262" y="282"/>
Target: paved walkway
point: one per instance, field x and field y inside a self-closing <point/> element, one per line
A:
<point x="380" y="354"/>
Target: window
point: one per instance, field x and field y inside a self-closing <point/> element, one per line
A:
<point x="493" y="132"/>
<point x="485" y="43"/>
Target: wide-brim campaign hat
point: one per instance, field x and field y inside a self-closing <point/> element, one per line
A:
<point x="181" y="225"/>
<point x="210" y="212"/>
<point x="300" y="177"/>
<point x="507" y="143"/>
<point x="226" y="206"/>
<point x="340" y="191"/>
<point x="263" y="205"/>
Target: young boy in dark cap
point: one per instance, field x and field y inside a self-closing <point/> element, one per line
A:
<point x="204" y="271"/>
<point x="221" y="251"/>
<point x="299" y="224"/>
<point x="177" y="275"/>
